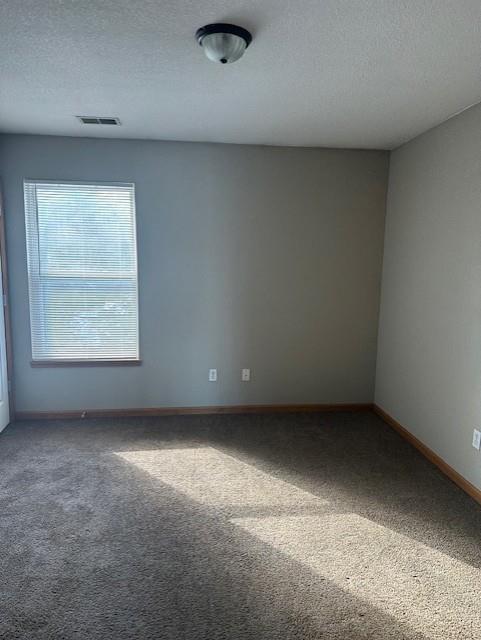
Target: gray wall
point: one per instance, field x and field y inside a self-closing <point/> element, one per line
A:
<point x="429" y="361"/>
<point x="268" y="258"/>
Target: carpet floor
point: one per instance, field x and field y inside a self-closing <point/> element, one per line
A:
<point x="269" y="527"/>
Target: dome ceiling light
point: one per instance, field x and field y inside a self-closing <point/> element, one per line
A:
<point x="222" y="42"/>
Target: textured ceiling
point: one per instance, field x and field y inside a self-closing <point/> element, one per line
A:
<point x="358" y="73"/>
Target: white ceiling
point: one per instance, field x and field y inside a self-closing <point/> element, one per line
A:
<point x="340" y="73"/>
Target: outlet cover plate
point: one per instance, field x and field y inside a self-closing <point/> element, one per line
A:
<point x="477" y="439"/>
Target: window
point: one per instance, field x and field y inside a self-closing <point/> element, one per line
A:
<point x="82" y="271"/>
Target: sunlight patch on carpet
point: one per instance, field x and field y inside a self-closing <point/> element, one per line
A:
<point x="213" y="478"/>
<point x="427" y="589"/>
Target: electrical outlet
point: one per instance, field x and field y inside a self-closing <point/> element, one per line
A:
<point x="477" y="439"/>
<point x="212" y="375"/>
<point x="246" y="375"/>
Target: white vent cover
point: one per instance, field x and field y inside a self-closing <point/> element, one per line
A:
<point x="99" y="120"/>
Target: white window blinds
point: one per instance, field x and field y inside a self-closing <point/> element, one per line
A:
<point x="82" y="271"/>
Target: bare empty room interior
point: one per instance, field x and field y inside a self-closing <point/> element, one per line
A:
<point x="240" y="340"/>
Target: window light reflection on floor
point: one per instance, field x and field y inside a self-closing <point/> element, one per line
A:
<point x="420" y="586"/>
<point x="214" y="478"/>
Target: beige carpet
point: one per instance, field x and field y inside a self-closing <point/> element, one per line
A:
<point x="268" y="527"/>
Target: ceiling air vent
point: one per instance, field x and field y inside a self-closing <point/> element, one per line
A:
<point x="98" y="120"/>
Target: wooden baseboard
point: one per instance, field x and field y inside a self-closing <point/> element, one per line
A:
<point x="175" y="411"/>
<point x="428" y="453"/>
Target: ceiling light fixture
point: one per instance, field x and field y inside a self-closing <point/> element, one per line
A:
<point x="222" y="42"/>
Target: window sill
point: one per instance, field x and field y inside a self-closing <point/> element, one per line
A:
<point x="85" y="363"/>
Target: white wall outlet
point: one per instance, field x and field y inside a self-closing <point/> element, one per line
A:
<point x="246" y="375"/>
<point x="212" y="375"/>
<point x="477" y="439"/>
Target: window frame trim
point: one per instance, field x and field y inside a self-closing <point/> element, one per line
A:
<point x="86" y="362"/>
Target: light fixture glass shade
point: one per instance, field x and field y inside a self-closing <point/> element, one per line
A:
<point x="223" y="47"/>
<point x="223" y="42"/>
